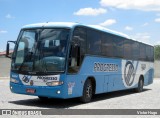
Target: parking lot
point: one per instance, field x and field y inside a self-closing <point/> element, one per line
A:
<point x="128" y="99"/>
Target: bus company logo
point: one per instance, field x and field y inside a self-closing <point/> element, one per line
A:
<point x="129" y="73"/>
<point x="26" y="78"/>
<point x="105" y="67"/>
<point x="45" y="79"/>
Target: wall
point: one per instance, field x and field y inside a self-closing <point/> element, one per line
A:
<point x="157" y="69"/>
<point x="5" y="67"/>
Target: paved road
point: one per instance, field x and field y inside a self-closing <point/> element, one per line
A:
<point x="148" y="99"/>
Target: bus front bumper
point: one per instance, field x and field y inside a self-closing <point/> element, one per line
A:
<point x="44" y="91"/>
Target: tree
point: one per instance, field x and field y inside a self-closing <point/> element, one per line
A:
<point x="157" y="52"/>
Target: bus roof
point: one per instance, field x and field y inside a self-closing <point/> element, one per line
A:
<point x="71" y="25"/>
<point x="51" y="24"/>
<point x="109" y="30"/>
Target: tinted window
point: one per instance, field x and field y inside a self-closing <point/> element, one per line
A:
<point x="152" y="53"/>
<point x="127" y="49"/>
<point x="142" y="51"/>
<point x="117" y="46"/>
<point x="148" y="53"/>
<point x="93" y="42"/>
<point x="79" y="37"/>
<point x="135" y="50"/>
<point x="78" y="49"/>
<point x="107" y="45"/>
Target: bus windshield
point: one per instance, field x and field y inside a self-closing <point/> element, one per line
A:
<point x="41" y="50"/>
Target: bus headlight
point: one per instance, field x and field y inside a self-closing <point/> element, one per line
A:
<point x="14" y="80"/>
<point x="54" y="83"/>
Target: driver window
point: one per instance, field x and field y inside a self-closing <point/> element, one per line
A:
<point x="20" y="53"/>
<point x="77" y="50"/>
<point x="25" y="45"/>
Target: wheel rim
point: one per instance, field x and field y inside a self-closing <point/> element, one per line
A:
<point x="89" y="91"/>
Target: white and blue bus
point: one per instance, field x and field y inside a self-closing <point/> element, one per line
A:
<point x="67" y="60"/>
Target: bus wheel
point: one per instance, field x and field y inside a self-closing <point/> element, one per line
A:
<point x="140" y="85"/>
<point x="42" y="98"/>
<point x="87" y="92"/>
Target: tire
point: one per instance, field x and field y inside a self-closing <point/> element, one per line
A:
<point x="43" y="98"/>
<point x="87" y="92"/>
<point x="140" y="85"/>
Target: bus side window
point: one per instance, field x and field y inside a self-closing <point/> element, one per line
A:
<point x="77" y="50"/>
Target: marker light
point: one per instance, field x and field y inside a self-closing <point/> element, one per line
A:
<point x="54" y="83"/>
<point x="58" y="92"/>
<point x="14" y="80"/>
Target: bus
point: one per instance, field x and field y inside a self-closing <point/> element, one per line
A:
<point x="68" y="60"/>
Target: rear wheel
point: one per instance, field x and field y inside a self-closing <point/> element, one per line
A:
<point x="140" y="85"/>
<point x="87" y="92"/>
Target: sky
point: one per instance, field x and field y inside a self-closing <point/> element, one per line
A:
<point x="140" y="19"/>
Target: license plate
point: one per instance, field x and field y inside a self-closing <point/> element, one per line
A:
<point x="30" y="91"/>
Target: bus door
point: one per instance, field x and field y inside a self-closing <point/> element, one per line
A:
<point x="108" y="83"/>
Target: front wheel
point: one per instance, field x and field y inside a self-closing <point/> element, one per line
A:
<point x="87" y="92"/>
<point x="140" y="85"/>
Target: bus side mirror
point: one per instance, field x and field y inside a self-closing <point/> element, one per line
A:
<point x="8" y="48"/>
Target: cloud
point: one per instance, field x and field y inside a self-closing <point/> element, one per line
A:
<point x="3" y="31"/>
<point x="1" y="50"/>
<point x="90" y="12"/>
<point x="157" y="43"/>
<point x="8" y="16"/>
<point x="158" y="14"/>
<point x="108" y="22"/>
<point x="144" y="5"/>
<point x="128" y="28"/>
<point x="142" y="37"/>
<point x="157" y="20"/>
<point x="145" y="24"/>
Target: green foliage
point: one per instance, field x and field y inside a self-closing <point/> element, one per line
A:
<point x="157" y="52"/>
